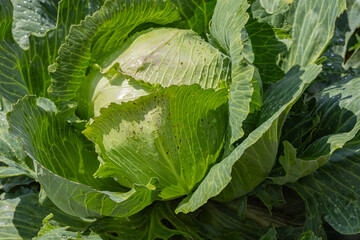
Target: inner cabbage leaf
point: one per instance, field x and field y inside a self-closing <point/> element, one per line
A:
<point x="175" y="134"/>
<point x="170" y="56"/>
<point x="99" y="90"/>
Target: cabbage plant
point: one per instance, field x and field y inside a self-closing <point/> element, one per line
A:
<point x="179" y="119"/>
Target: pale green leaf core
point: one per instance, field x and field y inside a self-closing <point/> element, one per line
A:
<point x="99" y="90"/>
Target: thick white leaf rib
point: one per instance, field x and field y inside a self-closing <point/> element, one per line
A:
<point x="228" y="21"/>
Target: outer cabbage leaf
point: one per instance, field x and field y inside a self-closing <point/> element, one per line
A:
<point x="13" y="84"/>
<point x="228" y="20"/>
<point x="352" y="12"/>
<point x="271" y="195"/>
<point x="21" y="216"/>
<point x="11" y="151"/>
<point x="97" y="37"/>
<point x="252" y="167"/>
<point x="354" y="60"/>
<point x="339" y="48"/>
<point x="271" y="12"/>
<point x="348" y="26"/>
<point x="333" y="193"/>
<point x="53" y="230"/>
<point x="296" y="168"/>
<point x="221" y="221"/>
<point x="301" y="121"/>
<point x="65" y="163"/>
<point x="170" y="56"/>
<point x="175" y="134"/>
<point x="33" y="18"/>
<point x="196" y="14"/>
<point x="264" y="50"/>
<point x="11" y="170"/>
<point x="313" y="24"/>
<point x="24" y="72"/>
<point x="339" y="110"/>
<point x="156" y="222"/>
<point x="272" y="7"/>
<point x="9" y="184"/>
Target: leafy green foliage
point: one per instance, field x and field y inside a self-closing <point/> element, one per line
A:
<point x="333" y="193"/>
<point x="26" y="71"/>
<point x="265" y="136"/>
<point x="33" y="18"/>
<point x="313" y="25"/>
<point x="22" y="216"/>
<point x="179" y="119"/>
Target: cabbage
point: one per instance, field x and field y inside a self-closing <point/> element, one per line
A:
<point x="148" y="119"/>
